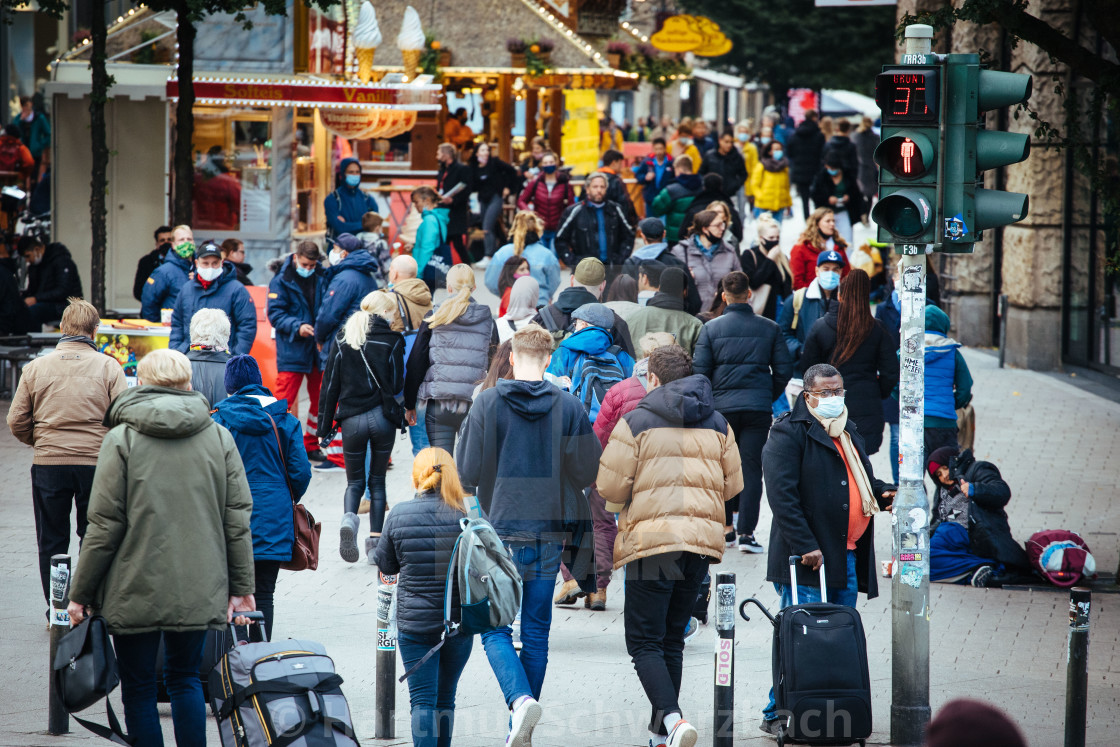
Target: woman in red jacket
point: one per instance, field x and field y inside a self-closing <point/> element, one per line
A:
<point x="819" y="235"/>
<point x="548" y="195"/>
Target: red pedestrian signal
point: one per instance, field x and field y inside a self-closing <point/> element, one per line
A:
<point x="906" y="154"/>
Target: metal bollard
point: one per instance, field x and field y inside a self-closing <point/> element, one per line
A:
<point x="58" y="720"/>
<point x="723" y="727"/>
<point x="1077" y="666"/>
<point x="385" y="692"/>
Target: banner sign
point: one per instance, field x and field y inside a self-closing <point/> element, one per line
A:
<point x="294" y="93"/>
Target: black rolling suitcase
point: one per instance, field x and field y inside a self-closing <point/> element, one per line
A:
<point x="821" y="683"/>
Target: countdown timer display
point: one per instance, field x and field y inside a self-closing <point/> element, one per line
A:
<point x="908" y="95"/>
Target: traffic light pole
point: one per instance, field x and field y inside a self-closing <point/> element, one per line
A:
<point x="910" y="710"/>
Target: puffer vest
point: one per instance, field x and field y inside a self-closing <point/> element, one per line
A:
<point x="459" y="356"/>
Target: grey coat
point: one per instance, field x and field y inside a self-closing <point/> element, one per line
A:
<point x="707" y="272"/>
<point x="208" y="373"/>
<point x="459" y="354"/>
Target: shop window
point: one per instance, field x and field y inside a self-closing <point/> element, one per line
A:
<point x="310" y="176"/>
<point x="233" y="171"/>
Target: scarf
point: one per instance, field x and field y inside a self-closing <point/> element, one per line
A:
<point x="835" y="429"/>
<point x="707" y="251"/>
<point x="773" y="166"/>
<point x="602" y="228"/>
<point x="78" y="338"/>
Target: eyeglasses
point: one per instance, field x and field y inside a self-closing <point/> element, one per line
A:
<point x="826" y="393"/>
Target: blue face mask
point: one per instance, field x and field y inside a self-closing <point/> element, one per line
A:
<point x="743" y="137"/>
<point x="832" y="172"/>
<point x="764" y="140"/>
<point x="305" y="272"/>
<point x="777" y="155"/>
<point x="828" y="279"/>
<point x="829" y="407"/>
<point x="353" y="180"/>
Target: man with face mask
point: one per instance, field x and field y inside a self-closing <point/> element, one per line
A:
<point x="214" y="286"/>
<point x="346" y="205"/>
<point x="161" y="289"/>
<point x="594" y="227"/>
<point x="823" y="507"/>
<point x="810" y="304"/>
<point x="52" y="278"/>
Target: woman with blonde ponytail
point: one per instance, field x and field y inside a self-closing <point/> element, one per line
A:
<point x="526" y="242"/>
<point x="365" y="369"/>
<point x="417" y="544"/>
<point x="450" y="356"/>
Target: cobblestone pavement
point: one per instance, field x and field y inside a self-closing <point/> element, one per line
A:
<point x="1057" y="445"/>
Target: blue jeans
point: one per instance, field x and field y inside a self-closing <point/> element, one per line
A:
<point x="136" y="660"/>
<point x="431" y="688"/>
<point x="546" y="239"/>
<point x="805" y="595"/>
<point x="538" y="562"/>
<point x="418" y="433"/>
<point x="894" y="452"/>
<point x="780" y="406"/>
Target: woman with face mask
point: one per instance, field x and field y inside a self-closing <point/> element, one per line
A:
<point x="851" y="340"/>
<point x="549" y="194"/>
<point x="345" y="206"/>
<point x="838" y="188"/>
<point x="819" y="235"/>
<point x="767" y="267"/>
<point x="706" y="256"/>
<point x="770" y="183"/>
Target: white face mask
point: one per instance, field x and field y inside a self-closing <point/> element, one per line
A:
<point x="334" y="257"/>
<point x="209" y="274"/>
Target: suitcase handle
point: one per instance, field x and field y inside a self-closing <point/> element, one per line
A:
<point x="793" y="561"/>
<point x="256" y="619"/>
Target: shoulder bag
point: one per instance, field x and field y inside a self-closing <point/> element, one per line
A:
<point x="305" y="547"/>
<point x="85" y="671"/>
<point x="393" y="410"/>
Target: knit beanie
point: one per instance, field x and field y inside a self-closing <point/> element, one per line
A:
<point x="241" y="371"/>
<point x="672" y="282"/>
<point x="939" y="458"/>
<point x="971" y="723"/>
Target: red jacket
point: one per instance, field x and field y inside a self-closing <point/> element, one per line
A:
<point x="803" y="262"/>
<point x="621" y="399"/>
<point x="547" y="206"/>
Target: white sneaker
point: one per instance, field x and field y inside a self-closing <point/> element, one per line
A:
<point x="482" y="264"/>
<point x="524" y="720"/>
<point x="683" y="735"/>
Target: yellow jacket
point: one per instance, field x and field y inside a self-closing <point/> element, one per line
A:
<point x="770" y="188"/>
<point x="607" y="143"/>
<point x="691" y="151"/>
<point x="750" y="158"/>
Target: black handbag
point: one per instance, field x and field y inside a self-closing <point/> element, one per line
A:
<point x="85" y="671"/>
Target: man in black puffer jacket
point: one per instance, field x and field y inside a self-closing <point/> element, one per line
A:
<point x="51" y="279"/>
<point x="805" y="149"/>
<point x="746" y="358"/>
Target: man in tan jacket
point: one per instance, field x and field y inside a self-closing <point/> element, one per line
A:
<point x="668" y="468"/>
<point x="58" y="408"/>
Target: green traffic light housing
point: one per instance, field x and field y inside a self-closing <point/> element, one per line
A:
<point x="906" y="214"/>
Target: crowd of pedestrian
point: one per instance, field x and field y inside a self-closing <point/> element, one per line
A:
<point x="631" y="419"/>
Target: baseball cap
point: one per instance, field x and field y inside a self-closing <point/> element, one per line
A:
<point x="829" y="256"/>
<point x="590" y="271"/>
<point x="652" y="228"/>
<point x="208" y="249"/>
<point x="348" y="242"/>
<point x="595" y="314"/>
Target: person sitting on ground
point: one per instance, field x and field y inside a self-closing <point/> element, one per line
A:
<point x="586" y="286"/>
<point x="418" y="544"/>
<point x="209" y="353"/>
<point x="664" y="312"/>
<point x="970" y="540"/>
<point x="670" y="522"/>
<point x="52" y="278"/>
<point x="270" y="441"/>
<point x="214" y="286"/>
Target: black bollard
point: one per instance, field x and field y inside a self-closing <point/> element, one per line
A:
<point x="1077" y="666"/>
<point x="723" y="727"/>
<point x="58" y="720"/>
<point x="385" y="683"/>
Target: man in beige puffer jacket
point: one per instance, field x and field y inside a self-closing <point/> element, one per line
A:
<point x="668" y="468"/>
<point x="58" y="408"/>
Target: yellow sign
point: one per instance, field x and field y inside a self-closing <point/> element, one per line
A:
<point x="696" y="34"/>
<point x="579" y="143"/>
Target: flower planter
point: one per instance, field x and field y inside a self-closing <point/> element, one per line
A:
<point x="517" y="59"/>
<point x="614" y="60"/>
<point x="444" y="58"/>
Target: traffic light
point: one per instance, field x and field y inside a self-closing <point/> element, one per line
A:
<point x="967" y="208"/>
<point x="909" y="98"/>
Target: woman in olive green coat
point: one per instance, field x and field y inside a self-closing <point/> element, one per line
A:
<point x="168" y="549"/>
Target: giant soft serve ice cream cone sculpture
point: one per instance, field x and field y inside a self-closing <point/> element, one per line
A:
<point x="366" y="38"/>
<point x="411" y="42"/>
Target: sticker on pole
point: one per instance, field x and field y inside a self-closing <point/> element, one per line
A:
<point x="385" y="641"/>
<point x="955" y="228"/>
<point x="725" y="661"/>
<point x="725" y="606"/>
